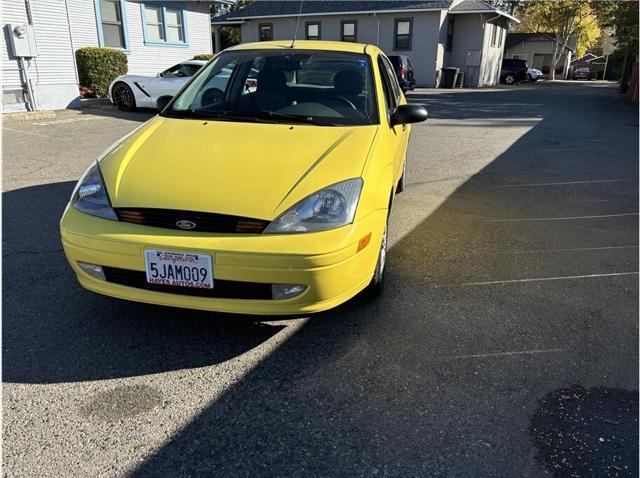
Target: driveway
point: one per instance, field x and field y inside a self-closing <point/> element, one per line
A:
<point x="505" y="343"/>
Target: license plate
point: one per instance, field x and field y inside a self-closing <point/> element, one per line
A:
<point x="181" y="269"/>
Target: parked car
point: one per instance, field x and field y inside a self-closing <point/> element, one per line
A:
<point x="582" y="73"/>
<point x="513" y="71"/>
<point x="404" y="71"/>
<point x="271" y="200"/>
<point x="128" y="92"/>
<point x="534" y="74"/>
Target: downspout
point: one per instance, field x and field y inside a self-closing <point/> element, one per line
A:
<point x="73" y="49"/>
<point x="378" y="31"/>
<point x="33" y="103"/>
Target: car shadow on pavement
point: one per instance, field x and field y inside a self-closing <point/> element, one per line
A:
<point x="55" y="331"/>
<point x="440" y="376"/>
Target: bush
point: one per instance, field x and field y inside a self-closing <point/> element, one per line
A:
<point x="204" y="56"/>
<point x="98" y="67"/>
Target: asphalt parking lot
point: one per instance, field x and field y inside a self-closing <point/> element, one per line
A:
<point x="505" y="343"/>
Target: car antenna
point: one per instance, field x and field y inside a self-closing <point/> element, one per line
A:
<point x="295" y="35"/>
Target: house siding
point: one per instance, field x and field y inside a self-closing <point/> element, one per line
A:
<point x="63" y="26"/>
<point x="53" y="72"/>
<point x="378" y="30"/>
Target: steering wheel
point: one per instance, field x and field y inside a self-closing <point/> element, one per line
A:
<point x="212" y="96"/>
<point x="344" y="100"/>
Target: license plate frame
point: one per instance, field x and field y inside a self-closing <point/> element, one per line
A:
<point x="179" y="268"/>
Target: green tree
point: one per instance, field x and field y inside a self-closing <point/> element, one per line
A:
<point x="230" y="35"/>
<point x="621" y="18"/>
<point x="565" y="20"/>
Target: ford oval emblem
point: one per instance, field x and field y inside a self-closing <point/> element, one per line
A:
<point x="184" y="224"/>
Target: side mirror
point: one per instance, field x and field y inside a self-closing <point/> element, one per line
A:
<point x="163" y="101"/>
<point x="405" y="114"/>
<point x="160" y="75"/>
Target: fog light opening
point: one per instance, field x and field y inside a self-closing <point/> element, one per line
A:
<point x="93" y="270"/>
<point x="286" y="291"/>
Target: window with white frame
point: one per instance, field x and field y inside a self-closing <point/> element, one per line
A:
<point x="163" y="24"/>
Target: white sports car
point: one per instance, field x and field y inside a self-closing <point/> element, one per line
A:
<point x="128" y="92"/>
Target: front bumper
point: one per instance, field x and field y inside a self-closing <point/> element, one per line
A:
<point x="328" y="262"/>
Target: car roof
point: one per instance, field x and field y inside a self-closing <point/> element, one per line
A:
<point x="348" y="47"/>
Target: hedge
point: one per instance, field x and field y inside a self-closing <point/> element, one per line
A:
<point x="204" y="56"/>
<point x="98" y="67"/>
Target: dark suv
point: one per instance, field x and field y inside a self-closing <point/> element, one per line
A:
<point x="513" y="71"/>
<point x="404" y="71"/>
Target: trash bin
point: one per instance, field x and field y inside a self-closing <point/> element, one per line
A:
<point x="449" y="76"/>
<point x="460" y="79"/>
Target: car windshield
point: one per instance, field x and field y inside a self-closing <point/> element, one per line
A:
<point x="281" y="86"/>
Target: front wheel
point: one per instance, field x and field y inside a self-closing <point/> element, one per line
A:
<point x="123" y="97"/>
<point x="403" y="179"/>
<point x="510" y="79"/>
<point x="374" y="289"/>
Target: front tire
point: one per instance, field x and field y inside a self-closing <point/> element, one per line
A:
<point x="374" y="289"/>
<point x="510" y="79"/>
<point x="123" y="97"/>
<point x="401" y="181"/>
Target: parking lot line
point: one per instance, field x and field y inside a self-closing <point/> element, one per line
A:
<point x="506" y="354"/>
<point x="543" y="279"/>
<point x="566" y="218"/>
<point x="566" y="183"/>
<point x="569" y="249"/>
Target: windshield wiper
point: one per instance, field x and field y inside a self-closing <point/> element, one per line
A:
<point x="212" y="115"/>
<point x="295" y="118"/>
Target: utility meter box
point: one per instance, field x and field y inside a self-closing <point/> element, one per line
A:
<point x="23" y="40"/>
<point x="472" y="57"/>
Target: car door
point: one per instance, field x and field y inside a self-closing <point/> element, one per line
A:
<point x="399" y="134"/>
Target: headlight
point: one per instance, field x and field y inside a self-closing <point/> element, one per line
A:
<point x="90" y="195"/>
<point x="331" y="207"/>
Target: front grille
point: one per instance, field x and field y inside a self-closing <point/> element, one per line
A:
<point x="204" y="221"/>
<point x="222" y="289"/>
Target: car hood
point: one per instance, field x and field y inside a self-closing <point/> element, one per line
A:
<point x="246" y="169"/>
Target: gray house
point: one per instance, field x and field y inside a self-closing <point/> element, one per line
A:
<point x="466" y="34"/>
<point x="42" y="73"/>
<point x="537" y="49"/>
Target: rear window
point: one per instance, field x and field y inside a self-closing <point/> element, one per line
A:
<point x="396" y="61"/>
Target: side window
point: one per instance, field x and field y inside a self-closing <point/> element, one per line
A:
<point x="172" y="72"/>
<point x="393" y="80"/>
<point x="389" y="96"/>
<point x="190" y="70"/>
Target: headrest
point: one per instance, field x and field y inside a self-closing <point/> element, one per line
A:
<point x="348" y="82"/>
<point x="271" y="80"/>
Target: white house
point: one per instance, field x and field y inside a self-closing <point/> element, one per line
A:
<point x="155" y="35"/>
<point x="465" y="34"/>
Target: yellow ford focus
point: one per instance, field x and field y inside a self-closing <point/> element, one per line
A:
<point x="263" y="187"/>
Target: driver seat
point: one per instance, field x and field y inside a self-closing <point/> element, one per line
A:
<point x="349" y="83"/>
<point x="271" y="91"/>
